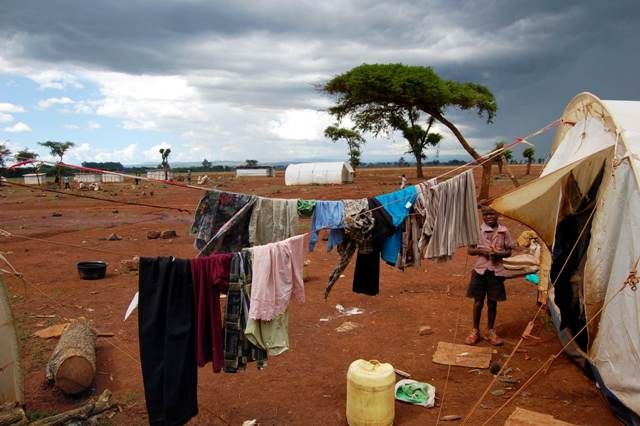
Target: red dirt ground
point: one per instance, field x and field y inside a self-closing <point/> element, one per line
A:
<point x="306" y="385"/>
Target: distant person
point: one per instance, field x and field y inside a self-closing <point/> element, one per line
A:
<point x="136" y="180"/>
<point x="487" y="277"/>
<point x="189" y="177"/>
<point x="403" y="181"/>
<point x="66" y="182"/>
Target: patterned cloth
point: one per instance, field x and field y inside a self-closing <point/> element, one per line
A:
<point x="238" y="349"/>
<point x="359" y="223"/>
<point x="221" y="222"/>
<point x="273" y="220"/>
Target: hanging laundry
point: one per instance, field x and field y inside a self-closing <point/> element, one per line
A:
<point x="238" y="349"/>
<point x="357" y="235"/>
<point x="397" y="204"/>
<point x="327" y="215"/>
<point x="221" y="222"/>
<point x="273" y="220"/>
<point x="366" y="276"/>
<point x="272" y="336"/>
<point x="210" y="278"/>
<point x="305" y="207"/>
<point x="456" y="221"/>
<point x="413" y="227"/>
<point x="166" y="332"/>
<point x="277" y="276"/>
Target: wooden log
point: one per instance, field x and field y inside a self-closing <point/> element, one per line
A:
<point x="84" y="412"/>
<point x="12" y="413"/>
<point x="72" y="366"/>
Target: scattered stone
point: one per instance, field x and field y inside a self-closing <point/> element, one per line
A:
<point x="347" y="326"/>
<point x="425" y="330"/>
<point x="165" y="235"/>
<point x="509" y="380"/>
<point x="498" y="392"/>
<point x="114" y="237"/>
<point x="56" y="214"/>
<point x="494" y="368"/>
<point x="115" y="211"/>
<point x="450" y="418"/>
<point x="152" y="235"/>
<point x="484" y="406"/>
<point x="129" y="265"/>
<point x="151" y="193"/>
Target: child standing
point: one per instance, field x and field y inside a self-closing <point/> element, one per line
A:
<point x="487" y="277"/>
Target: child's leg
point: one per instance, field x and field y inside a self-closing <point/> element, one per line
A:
<point x="478" y="303"/>
<point x="492" y="310"/>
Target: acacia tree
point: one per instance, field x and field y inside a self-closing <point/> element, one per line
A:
<point x="206" y="164"/>
<point x="352" y="137"/>
<point x="165" y="161"/>
<point x="419" y="139"/>
<point x="24" y="155"/>
<point x="58" y="149"/>
<point x="529" y="154"/>
<point x="373" y="90"/>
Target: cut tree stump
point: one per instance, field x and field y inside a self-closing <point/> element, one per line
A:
<point x="72" y="366"/>
<point x="12" y="413"/>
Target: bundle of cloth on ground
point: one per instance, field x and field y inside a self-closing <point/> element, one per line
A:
<point x="182" y="327"/>
<point x="426" y="221"/>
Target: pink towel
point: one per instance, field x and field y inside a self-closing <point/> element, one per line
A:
<point x="276" y="277"/>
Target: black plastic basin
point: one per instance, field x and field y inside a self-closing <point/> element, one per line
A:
<point x="92" y="269"/>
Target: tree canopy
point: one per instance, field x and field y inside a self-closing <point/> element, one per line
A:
<point x="25" y="154"/>
<point x="369" y="92"/>
<point x="57" y="148"/>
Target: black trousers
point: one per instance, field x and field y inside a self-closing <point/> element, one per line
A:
<point x="166" y="327"/>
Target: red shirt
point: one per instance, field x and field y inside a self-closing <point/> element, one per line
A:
<point x="210" y="277"/>
<point x="498" y="239"/>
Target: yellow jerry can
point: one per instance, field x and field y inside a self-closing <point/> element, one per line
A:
<point x="370" y="393"/>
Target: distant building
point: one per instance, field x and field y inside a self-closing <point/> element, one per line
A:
<point x="159" y="174"/>
<point x="109" y="178"/>
<point x="34" y="178"/>
<point x="263" y="171"/>
<point x="87" y="178"/>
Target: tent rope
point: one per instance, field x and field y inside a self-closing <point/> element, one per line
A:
<point x="529" y="327"/>
<point x="547" y="364"/>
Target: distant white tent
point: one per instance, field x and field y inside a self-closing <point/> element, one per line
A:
<point x="159" y="174"/>
<point x="34" y="178"/>
<point x="246" y="171"/>
<point x="106" y="177"/>
<point x="86" y="177"/>
<point x="318" y="173"/>
<point x="594" y="171"/>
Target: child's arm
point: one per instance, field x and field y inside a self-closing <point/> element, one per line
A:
<point x="474" y="250"/>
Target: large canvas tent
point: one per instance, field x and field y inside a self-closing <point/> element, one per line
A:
<point x="318" y="173"/>
<point x="586" y="207"/>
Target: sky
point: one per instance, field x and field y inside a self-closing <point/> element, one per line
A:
<point x="233" y="80"/>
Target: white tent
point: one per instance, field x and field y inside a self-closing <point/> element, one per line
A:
<point x="86" y="177"/>
<point x="318" y="173"/>
<point x="159" y="174"/>
<point x="109" y="178"/>
<point x="34" y="178"/>
<point x="594" y="171"/>
<point x="257" y="171"/>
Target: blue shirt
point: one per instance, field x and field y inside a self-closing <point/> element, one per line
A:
<point x="397" y="204"/>
<point x="327" y="214"/>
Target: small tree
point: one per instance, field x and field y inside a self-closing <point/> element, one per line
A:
<point x="25" y="155"/>
<point x="401" y="162"/>
<point x="165" y="161"/>
<point x="529" y="154"/>
<point x="206" y="164"/>
<point x="251" y="163"/>
<point x="352" y="137"/>
<point x="58" y="149"/>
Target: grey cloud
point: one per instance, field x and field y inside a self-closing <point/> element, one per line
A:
<point x="534" y="55"/>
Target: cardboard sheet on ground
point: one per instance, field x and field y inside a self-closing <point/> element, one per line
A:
<point x="462" y="355"/>
<point x="51" y="331"/>
<point x="522" y="417"/>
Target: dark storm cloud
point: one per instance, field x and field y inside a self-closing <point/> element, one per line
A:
<point x="534" y="55"/>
